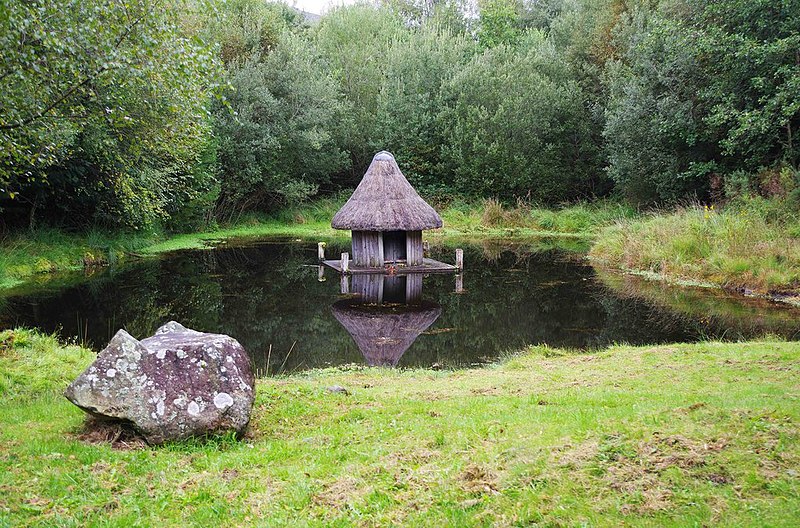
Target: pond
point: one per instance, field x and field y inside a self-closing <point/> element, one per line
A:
<point x="270" y="297"/>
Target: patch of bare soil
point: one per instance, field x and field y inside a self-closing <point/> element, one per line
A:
<point x="690" y="408"/>
<point x="485" y="391"/>
<point x="7" y="344"/>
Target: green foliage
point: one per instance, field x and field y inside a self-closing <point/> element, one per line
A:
<point x="411" y="101"/>
<point x="104" y="103"/>
<point x="499" y="22"/>
<point x="277" y="130"/>
<point x="180" y="113"/>
<point x="517" y="125"/>
<point x="703" y="89"/>
<point x="354" y="42"/>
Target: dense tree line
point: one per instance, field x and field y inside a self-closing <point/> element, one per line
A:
<point x="140" y="114"/>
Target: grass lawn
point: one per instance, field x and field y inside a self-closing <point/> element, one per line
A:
<point x="680" y="435"/>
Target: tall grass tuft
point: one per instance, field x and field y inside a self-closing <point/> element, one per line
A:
<point x="744" y="245"/>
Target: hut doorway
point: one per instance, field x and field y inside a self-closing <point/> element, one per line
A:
<point x="394" y="246"/>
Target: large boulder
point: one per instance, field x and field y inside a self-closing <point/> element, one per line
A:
<point x="173" y="385"/>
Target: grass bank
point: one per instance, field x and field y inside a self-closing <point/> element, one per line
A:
<point x="745" y="247"/>
<point x="26" y="255"/>
<point x="704" y="434"/>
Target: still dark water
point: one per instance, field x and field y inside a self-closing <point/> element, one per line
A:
<point x="268" y="297"/>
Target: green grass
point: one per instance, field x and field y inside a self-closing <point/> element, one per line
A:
<point x="681" y="435"/>
<point x="26" y="256"/>
<point x="738" y="247"/>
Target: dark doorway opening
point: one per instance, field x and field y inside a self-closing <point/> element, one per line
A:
<point x="394" y="246"/>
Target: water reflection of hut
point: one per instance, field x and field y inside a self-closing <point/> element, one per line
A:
<point x="386" y="316"/>
<point x="387" y="217"/>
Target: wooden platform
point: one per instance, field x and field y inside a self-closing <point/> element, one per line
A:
<point x="428" y="266"/>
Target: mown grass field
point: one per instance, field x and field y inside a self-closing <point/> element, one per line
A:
<point x="681" y="435"/>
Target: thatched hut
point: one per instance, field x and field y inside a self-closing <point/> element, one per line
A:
<point x="386" y="217"/>
<point x="384" y="333"/>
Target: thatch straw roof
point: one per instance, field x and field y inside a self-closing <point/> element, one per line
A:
<point x="385" y="201"/>
<point x="384" y="333"/>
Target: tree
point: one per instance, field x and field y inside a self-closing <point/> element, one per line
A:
<point x="354" y="42"/>
<point x="702" y="90"/>
<point x="518" y="126"/>
<point x="500" y="22"/>
<point x="277" y="127"/>
<point x="410" y="100"/>
<point x="102" y="100"/>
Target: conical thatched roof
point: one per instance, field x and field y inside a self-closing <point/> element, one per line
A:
<point x="382" y="333"/>
<point x="385" y="201"/>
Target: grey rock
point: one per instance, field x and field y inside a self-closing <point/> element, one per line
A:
<point x="173" y="385"/>
<point x="338" y="389"/>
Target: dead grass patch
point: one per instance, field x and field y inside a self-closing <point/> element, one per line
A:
<point x="678" y="451"/>
<point x="119" y="435"/>
<point x="478" y="480"/>
<point x="340" y="492"/>
<point x="636" y="471"/>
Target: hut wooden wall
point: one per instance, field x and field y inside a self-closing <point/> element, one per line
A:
<point x="372" y="248"/>
<point x="414" y="248"/>
<point x="367" y="249"/>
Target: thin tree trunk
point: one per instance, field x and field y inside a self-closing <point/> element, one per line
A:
<point x="34" y="207"/>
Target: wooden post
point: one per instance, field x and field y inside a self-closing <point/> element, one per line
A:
<point x="321" y="251"/>
<point x="460" y="283"/>
<point x="345" y="284"/>
<point x="345" y="262"/>
<point x="460" y="259"/>
<point x="321" y="274"/>
<point x="426" y="248"/>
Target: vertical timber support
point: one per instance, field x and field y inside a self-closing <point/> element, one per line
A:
<point x="460" y="259"/>
<point x="367" y="249"/>
<point x="345" y="262"/>
<point x="321" y="251"/>
<point x="460" y="283"/>
<point x="414" y="250"/>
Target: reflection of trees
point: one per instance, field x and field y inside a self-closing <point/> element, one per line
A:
<point x="715" y="313"/>
<point x="267" y="296"/>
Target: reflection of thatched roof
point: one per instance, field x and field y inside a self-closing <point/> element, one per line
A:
<point x="385" y="201"/>
<point x="384" y="333"/>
